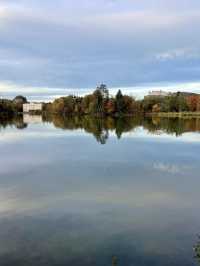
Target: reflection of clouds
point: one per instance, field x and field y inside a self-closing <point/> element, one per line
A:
<point x="46" y="131"/>
<point x="45" y="177"/>
<point x="20" y="163"/>
<point x="41" y="132"/>
<point x="22" y="199"/>
<point x="142" y="133"/>
<point x="169" y="168"/>
<point x="7" y="200"/>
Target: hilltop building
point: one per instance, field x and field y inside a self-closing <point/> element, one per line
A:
<point x="159" y="93"/>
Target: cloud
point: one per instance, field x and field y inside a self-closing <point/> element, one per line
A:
<point x="168" y="168"/>
<point x="38" y="93"/>
<point x="179" y="54"/>
<point x="116" y="42"/>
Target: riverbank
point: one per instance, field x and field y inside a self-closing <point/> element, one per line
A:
<point x="175" y="114"/>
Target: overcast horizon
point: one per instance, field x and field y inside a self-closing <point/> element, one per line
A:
<point x="49" y="49"/>
<point x="38" y="94"/>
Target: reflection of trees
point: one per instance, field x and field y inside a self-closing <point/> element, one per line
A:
<point x="17" y="121"/>
<point x="100" y="127"/>
<point x="176" y="126"/>
<point x="114" y="261"/>
<point x="197" y="250"/>
<point x="167" y="125"/>
<point x="126" y="124"/>
<point x="21" y="125"/>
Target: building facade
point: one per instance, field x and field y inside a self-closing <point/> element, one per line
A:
<point x="159" y="93"/>
<point x="32" y="107"/>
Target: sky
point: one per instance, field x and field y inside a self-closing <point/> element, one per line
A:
<point x="58" y="47"/>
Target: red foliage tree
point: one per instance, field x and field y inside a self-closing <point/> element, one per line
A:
<point x="192" y="102"/>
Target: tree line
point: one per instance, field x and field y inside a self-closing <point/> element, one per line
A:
<point x="176" y="102"/>
<point x="98" y="103"/>
<point x="101" y="103"/>
<point x="9" y="108"/>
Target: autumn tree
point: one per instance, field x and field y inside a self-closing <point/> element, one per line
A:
<point x="192" y="102"/>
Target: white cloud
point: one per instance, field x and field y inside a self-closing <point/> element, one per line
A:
<point x="10" y="90"/>
<point x="178" y="54"/>
<point x="169" y="168"/>
<point x="119" y="43"/>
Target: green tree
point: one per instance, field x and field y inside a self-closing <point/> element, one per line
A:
<point x="18" y="102"/>
<point x="98" y="102"/>
<point x="119" y="102"/>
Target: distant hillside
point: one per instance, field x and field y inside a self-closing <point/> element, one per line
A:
<point x="186" y="94"/>
<point x="161" y="94"/>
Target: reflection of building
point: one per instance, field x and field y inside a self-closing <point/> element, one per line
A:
<point x="114" y="261"/>
<point x="32" y="107"/>
<point x="32" y="119"/>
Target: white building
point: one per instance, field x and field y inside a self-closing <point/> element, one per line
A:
<point x="159" y="93"/>
<point x="32" y="107"/>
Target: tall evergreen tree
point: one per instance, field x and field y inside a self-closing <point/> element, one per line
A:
<point x="119" y="102"/>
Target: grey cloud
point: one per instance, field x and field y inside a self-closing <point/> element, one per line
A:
<point x="119" y="47"/>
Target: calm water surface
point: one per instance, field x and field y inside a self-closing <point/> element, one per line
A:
<point x="66" y="199"/>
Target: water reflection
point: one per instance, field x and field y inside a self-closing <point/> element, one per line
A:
<point x="100" y="128"/>
<point x="16" y="121"/>
<point x="197" y="250"/>
<point x="114" y="261"/>
<point x="66" y="200"/>
<point x="32" y="119"/>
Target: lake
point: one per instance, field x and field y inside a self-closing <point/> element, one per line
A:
<point x="89" y="191"/>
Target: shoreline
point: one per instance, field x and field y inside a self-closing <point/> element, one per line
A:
<point x="175" y="114"/>
<point x="102" y="115"/>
